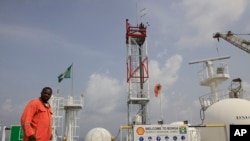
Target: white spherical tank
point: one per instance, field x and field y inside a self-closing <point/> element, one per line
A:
<point x="98" y="134"/>
<point x="228" y="111"/>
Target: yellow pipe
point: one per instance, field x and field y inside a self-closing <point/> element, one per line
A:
<point x="126" y="127"/>
<point x="215" y="125"/>
<point x="209" y="125"/>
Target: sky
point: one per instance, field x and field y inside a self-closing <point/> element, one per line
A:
<point x="40" y="39"/>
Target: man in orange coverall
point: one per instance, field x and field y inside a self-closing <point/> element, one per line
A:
<point x="36" y="118"/>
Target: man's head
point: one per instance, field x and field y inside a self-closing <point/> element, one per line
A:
<point x="46" y="94"/>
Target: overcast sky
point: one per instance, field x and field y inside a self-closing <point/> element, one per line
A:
<point x="40" y="39"/>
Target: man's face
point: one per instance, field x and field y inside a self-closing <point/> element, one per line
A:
<point x="45" y="95"/>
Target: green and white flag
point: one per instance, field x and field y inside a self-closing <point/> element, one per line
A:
<point x="66" y="74"/>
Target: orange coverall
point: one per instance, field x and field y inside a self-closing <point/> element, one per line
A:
<point x="36" y="120"/>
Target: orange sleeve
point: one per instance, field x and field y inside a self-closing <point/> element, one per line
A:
<point x="27" y="117"/>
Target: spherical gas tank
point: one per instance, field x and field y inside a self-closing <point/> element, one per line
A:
<point x="98" y="134"/>
<point x="227" y="111"/>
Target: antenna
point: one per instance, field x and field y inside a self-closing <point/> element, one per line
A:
<point x="210" y="59"/>
<point x="136" y="13"/>
<point x="140" y="13"/>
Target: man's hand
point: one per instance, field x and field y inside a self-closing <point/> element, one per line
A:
<point x="32" y="138"/>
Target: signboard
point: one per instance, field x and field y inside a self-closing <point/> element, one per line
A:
<point x="16" y="133"/>
<point x="160" y="132"/>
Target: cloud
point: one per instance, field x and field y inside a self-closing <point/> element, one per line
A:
<point x="205" y="17"/>
<point x="103" y="93"/>
<point x="10" y="112"/>
<point x="191" y="23"/>
<point x="7" y="106"/>
<point x="166" y="74"/>
<point x="173" y="104"/>
<point x="106" y="96"/>
<point x="105" y="103"/>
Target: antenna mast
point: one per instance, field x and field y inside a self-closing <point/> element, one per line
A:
<point x="213" y="74"/>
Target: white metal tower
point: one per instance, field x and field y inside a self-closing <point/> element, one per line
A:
<point x="70" y="125"/>
<point x="67" y="131"/>
<point x="57" y="117"/>
<point x="137" y="73"/>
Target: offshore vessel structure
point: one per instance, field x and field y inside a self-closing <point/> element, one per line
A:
<point x="138" y="127"/>
<point x="220" y="110"/>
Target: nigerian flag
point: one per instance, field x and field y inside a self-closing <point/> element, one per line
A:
<point x="66" y="74"/>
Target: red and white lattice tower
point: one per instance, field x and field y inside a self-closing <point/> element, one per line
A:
<point x="137" y="73"/>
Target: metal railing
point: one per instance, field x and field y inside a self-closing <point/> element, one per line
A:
<point x="207" y="99"/>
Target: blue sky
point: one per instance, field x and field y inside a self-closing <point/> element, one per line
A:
<point x="40" y="39"/>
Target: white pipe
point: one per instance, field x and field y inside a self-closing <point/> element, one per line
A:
<point x="3" y="134"/>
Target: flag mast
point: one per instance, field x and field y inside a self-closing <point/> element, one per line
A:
<point x="72" y="86"/>
<point x="157" y="91"/>
<point x="68" y="73"/>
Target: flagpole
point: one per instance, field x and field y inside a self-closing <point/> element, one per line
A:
<point x="157" y="90"/>
<point x="72" y="81"/>
<point x="160" y="107"/>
